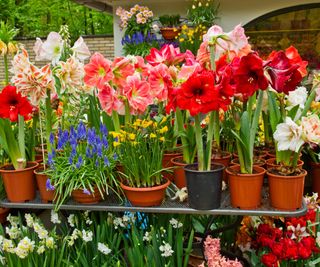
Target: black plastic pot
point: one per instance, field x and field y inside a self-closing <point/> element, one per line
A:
<point x="204" y="187"/>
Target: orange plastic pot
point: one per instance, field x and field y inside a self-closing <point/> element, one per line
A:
<point x="261" y="162"/>
<point x="79" y="196"/>
<point x="41" y="178"/>
<point x="166" y="163"/>
<point x="223" y="158"/>
<point x="20" y="185"/>
<point x="145" y="196"/>
<point x="179" y="178"/>
<point x="286" y="192"/>
<point x="245" y="189"/>
<point x="3" y="214"/>
<point x="315" y="177"/>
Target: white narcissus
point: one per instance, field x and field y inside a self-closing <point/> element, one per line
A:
<point x="288" y="135"/>
<point x="311" y="129"/>
<point x="80" y="49"/>
<point x="297" y="97"/>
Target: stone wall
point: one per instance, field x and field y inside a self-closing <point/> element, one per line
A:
<point x="102" y="43"/>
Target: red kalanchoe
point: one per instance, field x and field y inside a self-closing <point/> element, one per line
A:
<point x="248" y="74"/>
<point x="284" y="74"/>
<point x="269" y="260"/>
<point x="13" y="104"/>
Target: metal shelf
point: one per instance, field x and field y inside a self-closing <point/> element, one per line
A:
<point x="112" y="203"/>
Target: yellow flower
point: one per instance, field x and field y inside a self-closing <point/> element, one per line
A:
<point x="115" y="144"/>
<point x="152" y="135"/>
<point x="163" y="129"/>
<point x="161" y="139"/>
<point x="12" y="48"/>
<point x="114" y="134"/>
<point x="163" y="120"/>
<point x="137" y="122"/>
<point x="132" y="136"/>
<point x="3" y="48"/>
<point x="181" y="40"/>
<point x="146" y="123"/>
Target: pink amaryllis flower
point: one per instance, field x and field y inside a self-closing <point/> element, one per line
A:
<point x="80" y="49"/>
<point x="168" y="55"/>
<point x="160" y="80"/>
<point x="138" y="94"/>
<point x="121" y="68"/>
<point x="21" y="63"/>
<point x="98" y="71"/>
<point x="109" y="100"/>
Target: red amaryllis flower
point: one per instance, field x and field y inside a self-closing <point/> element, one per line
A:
<point x="269" y="260"/>
<point x="168" y="55"/>
<point x="248" y="75"/>
<point x="13" y="104"/>
<point x="284" y="74"/>
<point x="277" y="249"/>
<point x="200" y="94"/>
<point x="290" y="249"/>
<point x="304" y="252"/>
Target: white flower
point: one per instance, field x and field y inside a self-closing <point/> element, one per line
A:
<point x="297" y="232"/>
<point x="50" y="242"/>
<point x="52" y="48"/>
<point x="104" y="249"/>
<point x="29" y="220"/>
<point x="13" y="220"/>
<point x="311" y="128"/>
<point x="7" y="245"/>
<point x="117" y="222"/>
<point x="72" y="220"/>
<point x="55" y="217"/>
<point x="42" y="233"/>
<point x="74" y="236"/>
<point x="41" y="249"/>
<point x="14" y="232"/>
<point x="288" y="135"/>
<point x="318" y="239"/>
<point x="166" y="250"/>
<point x="175" y="223"/>
<point x="181" y="194"/>
<point x="37" y="48"/>
<point x="146" y="237"/>
<point x="155" y="28"/>
<point x="80" y="49"/>
<point x="24" y="247"/>
<point x="86" y="217"/>
<point x="297" y="97"/>
<point x="87" y="236"/>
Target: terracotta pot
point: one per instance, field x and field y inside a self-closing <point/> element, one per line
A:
<point x="224" y="157"/>
<point x="245" y="189"/>
<point x="19" y="184"/>
<point x="256" y="162"/>
<point x="170" y="33"/>
<point x="271" y="163"/>
<point x="41" y="178"/>
<point x="260" y="153"/>
<point x="83" y="198"/>
<point x="286" y="192"/>
<point x="145" y="196"/>
<point x="315" y="176"/>
<point x="179" y="178"/>
<point x="3" y="214"/>
<point x="166" y="163"/>
<point x="271" y="154"/>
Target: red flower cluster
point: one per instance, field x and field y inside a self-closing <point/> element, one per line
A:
<point x="13" y="104"/>
<point x="284" y="245"/>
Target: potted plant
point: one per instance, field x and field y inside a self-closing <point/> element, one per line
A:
<point x="141" y="147"/>
<point x="18" y="176"/>
<point x="84" y="167"/>
<point x="203" y="12"/>
<point x="170" y="26"/>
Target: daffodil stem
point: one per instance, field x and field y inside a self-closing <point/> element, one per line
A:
<point x="6" y="69"/>
<point x="199" y="142"/>
<point x="48" y="120"/>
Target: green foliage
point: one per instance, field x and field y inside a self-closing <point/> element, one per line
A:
<point x="39" y="17"/>
<point x="170" y="20"/>
<point x="203" y="12"/>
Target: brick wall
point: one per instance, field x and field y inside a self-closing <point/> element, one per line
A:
<point x="102" y="44"/>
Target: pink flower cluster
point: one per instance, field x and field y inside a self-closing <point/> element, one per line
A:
<point x="213" y="256"/>
<point x="140" y="14"/>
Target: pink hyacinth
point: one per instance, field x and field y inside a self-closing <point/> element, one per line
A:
<point x="98" y="71"/>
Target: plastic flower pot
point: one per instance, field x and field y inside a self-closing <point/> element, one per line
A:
<point x="204" y="187"/>
<point x="166" y="163"/>
<point x="169" y="33"/>
<point x="83" y="197"/>
<point x="224" y="157"/>
<point x="41" y="178"/>
<point x="179" y="178"/>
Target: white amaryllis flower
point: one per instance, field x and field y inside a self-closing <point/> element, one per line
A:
<point x="104" y="249"/>
<point x="51" y="49"/>
<point x="298" y="232"/>
<point x="311" y="128"/>
<point x="80" y="49"/>
<point x="288" y="135"/>
<point x="166" y="250"/>
<point x="297" y="97"/>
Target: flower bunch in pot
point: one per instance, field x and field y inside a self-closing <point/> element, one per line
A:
<point x="141" y="146"/>
<point x="170" y="26"/>
<point x="84" y="169"/>
<point x="294" y="126"/>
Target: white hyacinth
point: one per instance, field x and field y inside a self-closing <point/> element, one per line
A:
<point x="87" y="235"/>
<point x="166" y="250"/>
<point x="104" y="249"/>
<point x="55" y="217"/>
<point x="175" y="223"/>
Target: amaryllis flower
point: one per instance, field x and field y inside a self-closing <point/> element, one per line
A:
<point x="199" y="94"/>
<point x="138" y="94"/>
<point x="284" y="74"/>
<point x="98" y="71"/>
<point x="160" y="80"/>
<point x="110" y="101"/>
<point x="288" y="135"/>
<point x="121" y="68"/>
<point x="80" y="49"/>
<point x="269" y="260"/>
<point x="13" y="104"/>
<point x="248" y="75"/>
<point x="294" y="57"/>
<point x="168" y="55"/>
<point x="21" y="63"/>
<point x="311" y="129"/>
<point x="297" y="232"/>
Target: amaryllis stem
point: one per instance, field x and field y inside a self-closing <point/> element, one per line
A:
<point x="48" y="120"/>
<point x="199" y="142"/>
<point x="21" y="138"/>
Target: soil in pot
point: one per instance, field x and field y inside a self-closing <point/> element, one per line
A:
<point x="286" y="191"/>
<point x="271" y="163"/>
<point x="79" y="196"/>
<point x="20" y="185"/>
<point x="245" y="189"/>
<point x="256" y="162"/>
<point x="145" y="196"/>
<point x="41" y="178"/>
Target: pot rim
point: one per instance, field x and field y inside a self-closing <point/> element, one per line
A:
<point x="35" y="165"/>
<point x="144" y="189"/>
<point x="287" y="176"/>
<point x="260" y="170"/>
<point x="222" y="167"/>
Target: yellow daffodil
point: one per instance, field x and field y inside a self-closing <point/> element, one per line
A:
<point x="132" y="136"/>
<point x="152" y="135"/>
<point x="162" y="139"/>
<point x="114" y="134"/>
<point x="163" y="129"/>
<point x="115" y="144"/>
<point x="164" y="119"/>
